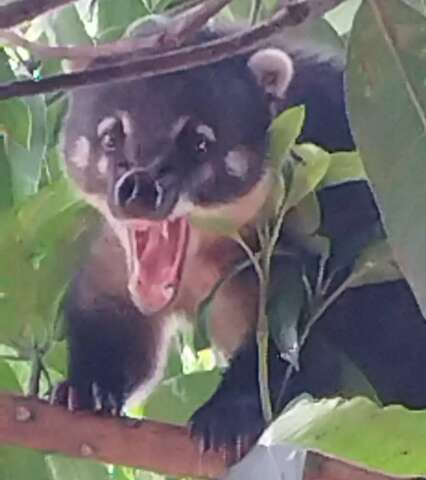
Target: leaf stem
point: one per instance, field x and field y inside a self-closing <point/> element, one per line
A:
<point x="262" y="333"/>
<point x="255" y="11"/>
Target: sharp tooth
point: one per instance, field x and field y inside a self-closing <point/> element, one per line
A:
<point x="165" y="230"/>
<point x="131" y="253"/>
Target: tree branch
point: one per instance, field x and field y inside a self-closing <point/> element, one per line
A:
<point x="173" y="34"/>
<point x="21" y="10"/>
<point x="32" y="423"/>
<point x="159" y="64"/>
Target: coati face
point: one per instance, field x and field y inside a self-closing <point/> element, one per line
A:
<point x="148" y="153"/>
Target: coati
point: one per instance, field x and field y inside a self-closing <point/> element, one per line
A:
<point x="149" y="154"/>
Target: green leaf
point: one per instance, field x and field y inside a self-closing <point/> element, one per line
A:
<point x="176" y="399"/>
<point x="387" y="102"/>
<point x="63" y="468"/>
<point x="344" y="167"/>
<point x="389" y="439"/>
<point x="26" y="163"/>
<point x="304" y="220"/>
<point x="6" y="190"/>
<point x="341" y="18"/>
<point x="21" y="464"/>
<point x="40" y="248"/>
<point x="375" y="264"/>
<point x="419" y="5"/>
<point x="119" y="14"/>
<point x="6" y="73"/>
<point x="55" y="116"/>
<point x="283" y="134"/>
<point x="284" y="311"/>
<point x="15" y="121"/>
<point x="8" y="380"/>
<point x="57" y="356"/>
<point x="309" y="166"/>
<point x="67" y="27"/>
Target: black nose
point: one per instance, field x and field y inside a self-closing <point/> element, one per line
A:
<point x="138" y="195"/>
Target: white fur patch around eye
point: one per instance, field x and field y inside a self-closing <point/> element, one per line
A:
<point x="102" y="165"/>
<point x="207" y="131"/>
<point x="105" y="125"/>
<point x="80" y="153"/>
<point x="236" y="164"/>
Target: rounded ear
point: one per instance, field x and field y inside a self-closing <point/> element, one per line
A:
<point x="273" y="70"/>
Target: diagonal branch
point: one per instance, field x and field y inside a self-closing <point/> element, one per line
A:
<point x="21" y="10"/>
<point x="159" y="64"/>
<point x="173" y="34"/>
<point x="31" y="423"/>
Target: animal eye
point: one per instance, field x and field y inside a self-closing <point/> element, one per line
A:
<point x="204" y="138"/>
<point x="195" y="138"/>
<point x="201" y="144"/>
<point x="110" y="133"/>
<point x="109" y="142"/>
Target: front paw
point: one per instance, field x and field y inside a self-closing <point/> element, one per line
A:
<point x="88" y="397"/>
<point x="233" y="424"/>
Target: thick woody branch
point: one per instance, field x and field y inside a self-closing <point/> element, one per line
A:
<point x="22" y="10"/>
<point x="31" y="423"/>
<point x="152" y="65"/>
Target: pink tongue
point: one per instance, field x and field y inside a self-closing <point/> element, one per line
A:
<point x="156" y="260"/>
<point x="160" y="251"/>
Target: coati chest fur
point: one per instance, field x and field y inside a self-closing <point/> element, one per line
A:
<point x="154" y="155"/>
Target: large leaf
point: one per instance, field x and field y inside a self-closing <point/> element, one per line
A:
<point x="176" y="399"/>
<point x="15" y="121"/>
<point x="389" y="439"/>
<point x="67" y="27"/>
<point x="387" y="101"/>
<point x="26" y="161"/>
<point x="8" y="379"/>
<point x="40" y="247"/>
<point x="63" y="468"/>
<point x="6" y="191"/>
<point x="119" y="15"/>
<point x="341" y="18"/>
<point x="22" y="464"/>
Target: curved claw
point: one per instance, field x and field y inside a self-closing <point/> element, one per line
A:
<point x="232" y="426"/>
<point x="93" y="398"/>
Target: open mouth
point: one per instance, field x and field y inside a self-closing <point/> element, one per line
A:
<point x="157" y="256"/>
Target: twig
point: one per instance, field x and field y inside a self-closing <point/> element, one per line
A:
<point x="255" y="10"/>
<point x="262" y="331"/>
<point x="312" y="320"/>
<point x="21" y="10"/>
<point x="153" y="65"/>
<point x="31" y="423"/>
<point x="173" y="34"/>
<point x="317" y="8"/>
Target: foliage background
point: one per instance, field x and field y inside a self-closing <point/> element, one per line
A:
<point x="44" y="226"/>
